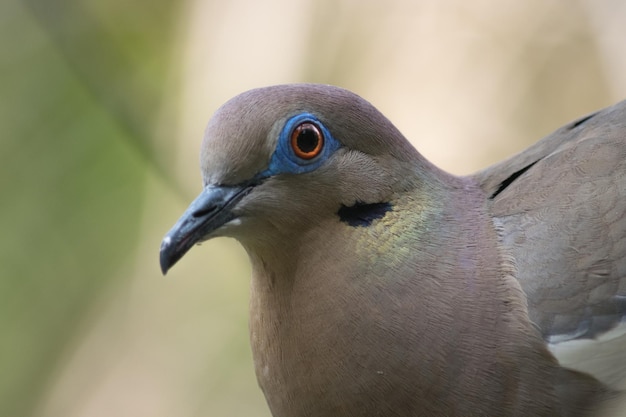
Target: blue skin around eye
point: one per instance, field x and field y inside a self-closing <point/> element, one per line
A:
<point x="285" y="161"/>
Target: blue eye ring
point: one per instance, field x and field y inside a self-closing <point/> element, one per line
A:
<point x="288" y="158"/>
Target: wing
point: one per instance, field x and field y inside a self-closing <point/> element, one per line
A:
<point x="560" y="209"/>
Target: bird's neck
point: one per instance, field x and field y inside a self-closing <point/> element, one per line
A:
<point x="346" y="307"/>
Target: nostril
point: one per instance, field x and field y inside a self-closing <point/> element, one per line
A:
<point x="203" y="212"/>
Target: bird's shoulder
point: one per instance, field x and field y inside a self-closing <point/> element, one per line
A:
<point x="560" y="211"/>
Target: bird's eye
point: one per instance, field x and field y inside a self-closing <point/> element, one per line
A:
<point x="302" y="145"/>
<point x="307" y="140"/>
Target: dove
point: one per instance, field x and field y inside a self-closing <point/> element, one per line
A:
<point x="384" y="286"/>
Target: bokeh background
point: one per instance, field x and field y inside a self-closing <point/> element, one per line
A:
<point x="102" y="110"/>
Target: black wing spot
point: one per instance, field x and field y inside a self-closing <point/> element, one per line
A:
<point x="581" y="121"/>
<point x="510" y="179"/>
<point x="363" y="214"/>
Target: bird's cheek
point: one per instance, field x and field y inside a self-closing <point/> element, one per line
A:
<point x="229" y="229"/>
<point x="250" y="215"/>
<point x="362" y="178"/>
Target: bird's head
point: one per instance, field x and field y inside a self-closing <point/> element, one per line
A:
<point x="277" y="160"/>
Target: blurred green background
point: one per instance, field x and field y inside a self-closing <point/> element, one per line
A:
<point x="103" y="106"/>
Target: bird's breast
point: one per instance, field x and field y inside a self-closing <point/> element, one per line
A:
<point x="383" y="319"/>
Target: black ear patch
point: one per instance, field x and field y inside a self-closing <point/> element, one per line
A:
<point x="362" y="214"/>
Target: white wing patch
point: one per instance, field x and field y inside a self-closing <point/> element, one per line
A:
<point x="603" y="357"/>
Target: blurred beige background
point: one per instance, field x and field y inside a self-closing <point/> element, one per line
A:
<point x="103" y="106"/>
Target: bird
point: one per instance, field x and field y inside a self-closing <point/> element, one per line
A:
<point x="384" y="286"/>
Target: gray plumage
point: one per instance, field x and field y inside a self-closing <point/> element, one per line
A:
<point x="383" y="286"/>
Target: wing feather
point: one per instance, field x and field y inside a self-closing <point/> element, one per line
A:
<point x="560" y="209"/>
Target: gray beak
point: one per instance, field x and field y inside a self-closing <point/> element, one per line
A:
<point x="207" y="213"/>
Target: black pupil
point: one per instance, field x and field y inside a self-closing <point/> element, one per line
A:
<point x="307" y="139"/>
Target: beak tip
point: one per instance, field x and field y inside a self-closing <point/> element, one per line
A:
<point x="165" y="255"/>
<point x="164" y="268"/>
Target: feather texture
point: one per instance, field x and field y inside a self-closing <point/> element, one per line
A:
<point x="384" y="286"/>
